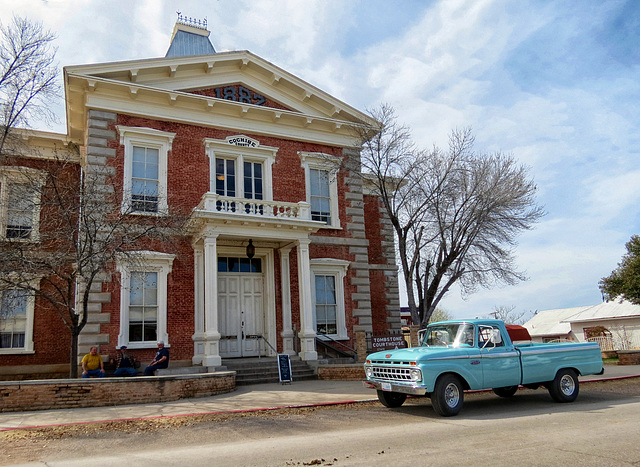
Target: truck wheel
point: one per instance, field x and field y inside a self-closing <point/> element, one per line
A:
<point x="565" y="386"/>
<point x="447" y="396"/>
<point x="508" y="391"/>
<point x="391" y="399"/>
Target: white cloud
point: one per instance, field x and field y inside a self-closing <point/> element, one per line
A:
<point x="613" y="197"/>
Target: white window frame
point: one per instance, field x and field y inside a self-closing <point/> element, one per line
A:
<point x="148" y="138"/>
<point x="144" y="261"/>
<point x="28" y="331"/>
<point x="338" y="269"/>
<point x="225" y="149"/>
<point x="20" y="175"/>
<point x="328" y="163"/>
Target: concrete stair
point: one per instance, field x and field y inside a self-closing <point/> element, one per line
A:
<point x="265" y="370"/>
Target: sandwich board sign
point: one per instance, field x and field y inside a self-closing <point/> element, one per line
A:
<point x="284" y="368"/>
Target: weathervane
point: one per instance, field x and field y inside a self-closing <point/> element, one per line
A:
<point x="196" y="23"/>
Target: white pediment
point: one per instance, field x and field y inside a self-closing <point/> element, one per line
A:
<point x="192" y="73"/>
<point x="234" y="90"/>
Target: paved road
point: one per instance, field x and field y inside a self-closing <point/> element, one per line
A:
<point x="601" y="428"/>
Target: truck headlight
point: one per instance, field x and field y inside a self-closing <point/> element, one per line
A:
<point x="416" y="374"/>
<point x="368" y="371"/>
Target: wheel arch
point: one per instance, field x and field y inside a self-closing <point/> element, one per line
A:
<point x="463" y="380"/>
<point x="567" y="367"/>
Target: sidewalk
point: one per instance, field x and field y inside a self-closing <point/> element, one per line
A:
<point x="245" y="398"/>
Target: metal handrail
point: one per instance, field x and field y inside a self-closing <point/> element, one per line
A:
<point x="355" y="352"/>
<point x="264" y="339"/>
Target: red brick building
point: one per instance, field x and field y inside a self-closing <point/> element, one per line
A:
<point x="261" y="158"/>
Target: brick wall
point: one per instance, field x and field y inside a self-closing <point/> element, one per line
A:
<point x="628" y="357"/>
<point x="354" y="372"/>
<point x="51" y="337"/>
<point x="188" y="180"/>
<point x="74" y="393"/>
<point x="188" y="163"/>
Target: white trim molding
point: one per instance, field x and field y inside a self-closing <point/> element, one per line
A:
<point x="28" y="331"/>
<point x="148" y="138"/>
<point x="241" y="149"/>
<point x="34" y="181"/>
<point x="327" y="163"/>
<point x="144" y="261"/>
<point x="338" y="269"/>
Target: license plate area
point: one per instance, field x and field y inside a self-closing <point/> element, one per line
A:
<point x="386" y="386"/>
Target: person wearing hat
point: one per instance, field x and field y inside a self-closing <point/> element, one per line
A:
<point x="125" y="363"/>
<point x="161" y="360"/>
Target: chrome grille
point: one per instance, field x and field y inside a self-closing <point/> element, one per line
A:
<point x="391" y="374"/>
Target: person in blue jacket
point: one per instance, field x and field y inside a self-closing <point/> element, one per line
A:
<point x="161" y="360"/>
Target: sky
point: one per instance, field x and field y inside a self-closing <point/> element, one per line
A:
<point x="553" y="83"/>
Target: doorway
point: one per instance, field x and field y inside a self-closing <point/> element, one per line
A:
<point x="241" y="308"/>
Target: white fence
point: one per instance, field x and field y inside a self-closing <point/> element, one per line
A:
<point x="608" y="344"/>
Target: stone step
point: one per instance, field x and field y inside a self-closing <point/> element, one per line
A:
<point x="265" y="370"/>
<point x="260" y="367"/>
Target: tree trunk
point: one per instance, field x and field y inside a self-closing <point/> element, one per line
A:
<point x="73" y="358"/>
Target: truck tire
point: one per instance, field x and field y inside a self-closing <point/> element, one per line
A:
<point x="565" y="386"/>
<point x="447" y="396"/>
<point x="391" y="399"/>
<point x="508" y="391"/>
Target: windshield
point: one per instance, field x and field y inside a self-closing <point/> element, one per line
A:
<point x="445" y="335"/>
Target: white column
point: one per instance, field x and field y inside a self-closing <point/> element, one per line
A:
<point x="198" y="312"/>
<point x="212" y="333"/>
<point x="285" y="274"/>
<point x="307" y="334"/>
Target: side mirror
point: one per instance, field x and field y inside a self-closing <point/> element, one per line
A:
<point x="496" y="337"/>
<point x="421" y="335"/>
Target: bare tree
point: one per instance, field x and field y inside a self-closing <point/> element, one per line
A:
<point x="391" y="161"/>
<point x="456" y="213"/>
<point x="27" y="76"/>
<point x="509" y="315"/>
<point x="71" y="233"/>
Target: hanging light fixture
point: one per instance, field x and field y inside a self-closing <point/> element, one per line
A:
<point x="251" y="250"/>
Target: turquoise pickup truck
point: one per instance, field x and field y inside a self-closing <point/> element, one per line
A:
<point x="455" y="356"/>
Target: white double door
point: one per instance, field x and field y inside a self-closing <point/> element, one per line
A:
<point x="241" y="314"/>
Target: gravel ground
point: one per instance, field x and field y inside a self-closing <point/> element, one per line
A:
<point x="39" y="444"/>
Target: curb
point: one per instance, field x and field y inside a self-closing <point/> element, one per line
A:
<point x="195" y="414"/>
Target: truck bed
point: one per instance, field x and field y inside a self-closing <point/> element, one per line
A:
<point x="541" y="361"/>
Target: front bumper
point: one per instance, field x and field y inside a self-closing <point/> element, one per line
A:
<point x="413" y="389"/>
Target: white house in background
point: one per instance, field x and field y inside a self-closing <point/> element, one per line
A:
<point x="615" y="325"/>
<point x="550" y="325"/>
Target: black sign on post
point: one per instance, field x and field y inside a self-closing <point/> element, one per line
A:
<point x="386" y="342"/>
<point x="284" y="368"/>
